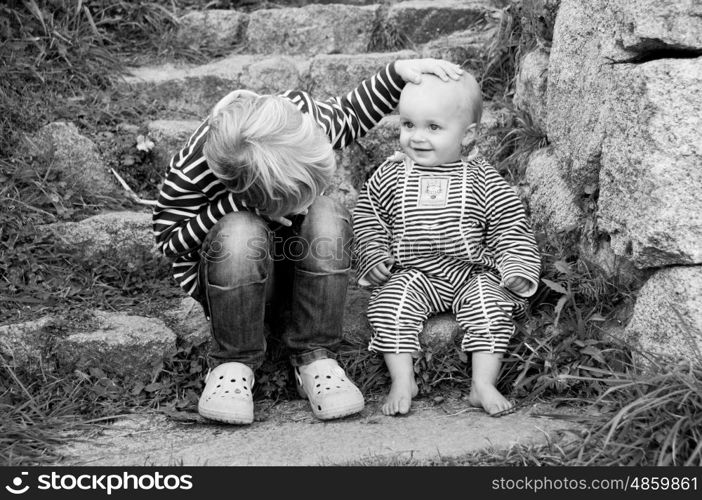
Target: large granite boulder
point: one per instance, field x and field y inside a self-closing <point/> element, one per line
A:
<point x="623" y="116"/>
<point x="668" y="314"/>
<point x="650" y="180"/>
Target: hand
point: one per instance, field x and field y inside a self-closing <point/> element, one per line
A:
<point x="518" y="285"/>
<point x="411" y="69"/>
<point x="284" y="221"/>
<point x="380" y="273"/>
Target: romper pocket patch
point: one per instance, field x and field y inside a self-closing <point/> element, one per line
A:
<point x="433" y="191"/>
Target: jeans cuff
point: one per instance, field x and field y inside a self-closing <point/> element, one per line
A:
<point x="307" y="357"/>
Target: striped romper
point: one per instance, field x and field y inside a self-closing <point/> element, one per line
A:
<point x="456" y="232"/>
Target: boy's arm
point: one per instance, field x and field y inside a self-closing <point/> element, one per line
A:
<point x="190" y="201"/>
<point x="371" y="225"/>
<point x="508" y="233"/>
<point x="346" y="118"/>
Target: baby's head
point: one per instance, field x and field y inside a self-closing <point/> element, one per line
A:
<point x="437" y="118"/>
<point x="264" y="149"/>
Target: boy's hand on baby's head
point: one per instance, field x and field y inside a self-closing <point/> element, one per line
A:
<point x="518" y="285"/>
<point x="411" y="69"/>
<point x="380" y="273"/>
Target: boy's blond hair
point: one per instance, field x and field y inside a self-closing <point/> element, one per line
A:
<point x="276" y="158"/>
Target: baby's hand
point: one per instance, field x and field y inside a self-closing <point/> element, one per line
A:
<point x="380" y="273"/>
<point x="411" y="69"/>
<point x="518" y="285"/>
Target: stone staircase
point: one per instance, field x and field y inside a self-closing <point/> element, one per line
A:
<point x="323" y="48"/>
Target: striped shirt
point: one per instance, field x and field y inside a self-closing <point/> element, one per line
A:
<point x="192" y="199"/>
<point x="445" y="221"/>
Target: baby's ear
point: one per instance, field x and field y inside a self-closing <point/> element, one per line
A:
<point x="470" y="134"/>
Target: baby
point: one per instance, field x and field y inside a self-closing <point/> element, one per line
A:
<point x="435" y="231"/>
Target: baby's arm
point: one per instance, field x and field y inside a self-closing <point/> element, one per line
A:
<point x="371" y="225"/>
<point x="509" y="235"/>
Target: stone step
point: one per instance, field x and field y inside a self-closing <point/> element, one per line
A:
<point x="330" y="29"/>
<point x="188" y="91"/>
<point x="429" y="431"/>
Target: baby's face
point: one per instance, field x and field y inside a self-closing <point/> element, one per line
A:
<point x="433" y="122"/>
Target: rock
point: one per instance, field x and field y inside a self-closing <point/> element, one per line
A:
<point x="59" y="146"/>
<point x="169" y="137"/>
<point x="579" y="81"/>
<point x="630" y="129"/>
<point x="311" y="30"/>
<point x="335" y="75"/>
<point x="668" y="314"/>
<point x="217" y="29"/>
<point x="466" y="48"/>
<point x="113" y="232"/>
<point x="121" y="345"/>
<point x="440" y="331"/>
<point x="126" y="346"/>
<point x="423" y="20"/>
<point x="649" y="25"/>
<point x="531" y="87"/>
<point x="274" y="75"/>
<point x="554" y="207"/>
<point x="27" y="343"/>
<point x="650" y="180"/>
<point x="189" y="322"/>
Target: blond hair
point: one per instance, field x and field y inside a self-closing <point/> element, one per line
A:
<point x="270" y="153"/>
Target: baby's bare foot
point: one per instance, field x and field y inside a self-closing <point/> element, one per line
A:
<point x="399" y="398"/>
<point x="487" y="397"/>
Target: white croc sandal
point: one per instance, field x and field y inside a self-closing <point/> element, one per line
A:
<point x="329" y="390"/>
<point x="227" y="394"/>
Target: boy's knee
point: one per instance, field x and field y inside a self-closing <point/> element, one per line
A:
<point x="239" y="243"/>
<point x="325" y="237"/>
<point x="326" y="218"/>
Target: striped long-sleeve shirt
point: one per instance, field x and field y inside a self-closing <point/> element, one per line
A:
<point x="193" y="199"/>
<point x="443" y="221"/>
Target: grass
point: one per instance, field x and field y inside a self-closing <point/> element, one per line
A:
<point x="57" y="62"/>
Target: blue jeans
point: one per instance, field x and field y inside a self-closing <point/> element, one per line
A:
<point x="254" y="272"/>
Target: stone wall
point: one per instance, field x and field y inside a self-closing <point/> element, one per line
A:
<point x="618" y="91"/>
